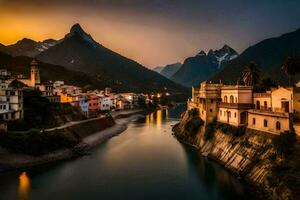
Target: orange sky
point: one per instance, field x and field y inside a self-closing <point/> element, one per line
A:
<point x="151" y="32"/>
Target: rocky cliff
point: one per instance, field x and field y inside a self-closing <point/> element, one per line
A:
<point x="250" y="155"/>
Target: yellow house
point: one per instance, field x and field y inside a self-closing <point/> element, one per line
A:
<point x="236" y="100"/>
<point x="206" y="99"/>
<point x="66" y="98"/>
<point x="274" y="109"/>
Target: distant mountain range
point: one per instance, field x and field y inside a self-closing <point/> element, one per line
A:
<point x="168" y="70"/>
<point x="203" y="66"/>
<point x="79" y="52"/>
<point x="268" y="54"/>
<point x="28" y="47"/>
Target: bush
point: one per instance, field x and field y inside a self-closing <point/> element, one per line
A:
<point x="193" y="112"/>
<point x="192" y="125"/>
<point x="231" y="130"/>
<point x="284" y="143"/>
<point x="209" y="130"/>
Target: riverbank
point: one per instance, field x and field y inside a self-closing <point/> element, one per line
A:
<point x="9" y="160"/>
<point x="249" y="155"/>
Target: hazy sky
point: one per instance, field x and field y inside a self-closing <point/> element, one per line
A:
<point x="152" y="32"/>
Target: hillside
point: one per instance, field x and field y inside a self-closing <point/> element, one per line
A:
<point x="21" y="64"/>
<point x="269" y="54"/>
<point x="78" y="51"/>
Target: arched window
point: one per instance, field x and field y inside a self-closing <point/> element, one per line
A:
<point x="231" y="99"/>
<point x="265" y="104"/>
<point x="253" y="121"/>
<point x="265" y="123"/>
<point x="220" y="112"/>
<point x="225" y="99"/>
<point x="257" y="105"/>
<point x="278" y="126"/>
<point x="235" y="115"/>
<point x="235" y="99"/>
<point x="229" y="114"/>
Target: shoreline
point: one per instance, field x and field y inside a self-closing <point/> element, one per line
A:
<point x="9" y="161"/>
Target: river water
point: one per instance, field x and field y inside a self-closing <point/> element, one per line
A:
<point x="144" y="162"/>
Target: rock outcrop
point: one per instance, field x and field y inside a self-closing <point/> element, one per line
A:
<point x="249" y="156"/>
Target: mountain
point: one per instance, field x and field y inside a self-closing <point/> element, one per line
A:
<point x="156" y="69"/>
<point x="21" y="64"/>
<point x="170" y="70"/>
<point x="268" y="54"/>
<point x="28" y="47"/>
<point x="80" y="52"/>
<point x="203" y="66"/>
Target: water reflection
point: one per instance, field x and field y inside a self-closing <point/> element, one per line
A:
<point x="24" y="186"/>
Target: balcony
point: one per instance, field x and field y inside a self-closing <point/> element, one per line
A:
<point x="236" y="105"/>
<point x="269" y="113"/>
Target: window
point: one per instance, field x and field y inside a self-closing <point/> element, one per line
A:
<point x="265" y="104"/>
<point x="231" y="99"/>
<point x="235" y="115"/>
<point x="220" y="112"/>
<point x="211" y="101"/>
<point x="210" y="110"/>
<point x="253" y="121"/>
<point x="235" y="99"/>
<point x="257" y="105"/>
<point x="265" y="123"/>
<point x="229" y="114"/>
<point x="225" y="99"/>
<point x="278" y="126"/>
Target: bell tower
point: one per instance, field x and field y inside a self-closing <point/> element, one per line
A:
<point x="34" y="73"/>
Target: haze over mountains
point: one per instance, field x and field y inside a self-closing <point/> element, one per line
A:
<point x="168" y="70"/>
<point x="78" y="51"/>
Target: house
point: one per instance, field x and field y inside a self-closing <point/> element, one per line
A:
<point x="11" y="104"/>
<point x="274" y="110"/>
<point x="34" y="75"/>
<point x="206" y="99"/>
<point x="94" y="106"/>
<point x="84" y="105"/>
<point x="236" y="101"/>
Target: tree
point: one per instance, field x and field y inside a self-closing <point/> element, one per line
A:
<point x="251" y="74"/>
<point x="291" y="67"/>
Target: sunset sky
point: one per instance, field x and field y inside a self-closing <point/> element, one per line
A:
<point x="152" y="32"/>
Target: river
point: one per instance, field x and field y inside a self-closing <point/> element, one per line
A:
<point x="144" y="162"/>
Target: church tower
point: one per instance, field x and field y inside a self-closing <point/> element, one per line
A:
<point x="34" y="73"/>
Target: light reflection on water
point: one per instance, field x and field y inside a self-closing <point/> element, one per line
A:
<point x="144" y="162"/>
<point x="24" y="186"/>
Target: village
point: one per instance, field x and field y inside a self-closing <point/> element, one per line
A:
<point x="91" y="103"/>
<point x="275" y="111"/>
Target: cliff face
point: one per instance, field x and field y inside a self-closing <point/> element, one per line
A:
<point x="250" y="156"/>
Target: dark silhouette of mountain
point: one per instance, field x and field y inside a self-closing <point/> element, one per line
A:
<point x="28" y="47"/>
<point x="170" y="70"/>
<point x="268" y="54"/>
<point x="79" y="51"/>
<point x="21" y="64"/>
<point x="203" y="66"/>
